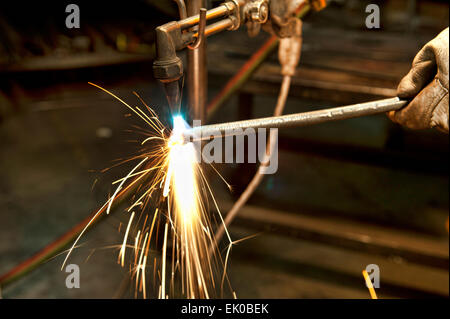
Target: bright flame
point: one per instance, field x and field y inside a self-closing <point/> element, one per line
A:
<point x="169" y="169"/>
<point x="181" y="173"/>
<point x="187" y="211"/>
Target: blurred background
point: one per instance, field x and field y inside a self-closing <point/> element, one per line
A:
<point x="346" y="194"/>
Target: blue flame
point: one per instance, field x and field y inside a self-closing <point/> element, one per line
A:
<point x="179" y="123"/>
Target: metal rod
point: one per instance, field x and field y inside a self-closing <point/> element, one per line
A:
<point x="181" y="9"/>
<point x="207" y="132"/>
<point x="200" y="35"/>
<point x="197" y="75"/>
<point x="216" y="27"/>
<point x="215" y="13"/>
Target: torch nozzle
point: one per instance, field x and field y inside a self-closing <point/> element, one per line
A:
<point x="173" y="90"/>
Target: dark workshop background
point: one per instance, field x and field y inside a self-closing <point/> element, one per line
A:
<point x="346" y="194"/>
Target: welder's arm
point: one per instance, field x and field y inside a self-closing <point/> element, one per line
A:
<point x="426" y="85"/>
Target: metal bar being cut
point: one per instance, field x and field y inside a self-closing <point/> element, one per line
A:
<point x="207" y="132"/>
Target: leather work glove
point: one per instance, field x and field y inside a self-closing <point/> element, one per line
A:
<point x="426" y="85"/>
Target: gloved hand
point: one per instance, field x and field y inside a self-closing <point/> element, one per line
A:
<point x="426" y="85"/>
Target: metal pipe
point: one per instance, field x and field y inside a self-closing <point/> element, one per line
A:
<point x="200" y="35"/>
<point x="219" y="26"/>
<point x="181" y="9"/>
<point x="207" y="132"/>
<point x="197" y="76"/>
<point x="174" y="36"/>
<point x="218" y="12"/>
